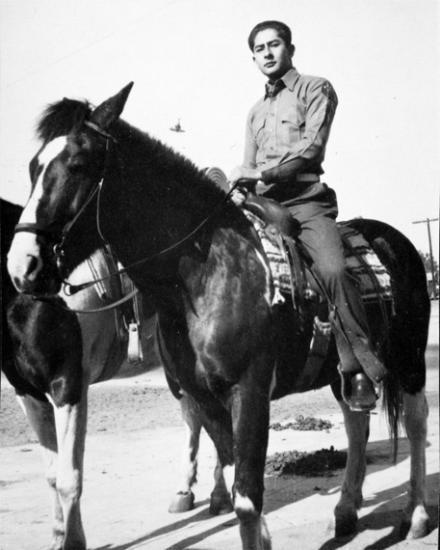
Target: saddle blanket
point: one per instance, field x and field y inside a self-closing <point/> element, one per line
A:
<point x="372" y="277"/>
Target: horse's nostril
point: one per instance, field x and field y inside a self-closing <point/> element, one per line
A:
<point x="17" y="283"/>
<point x="33" y="267"/>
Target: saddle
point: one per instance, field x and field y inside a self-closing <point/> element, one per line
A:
<point x="291" y="267"/>
<point x="293" y="275"/>
<point x="127" y="315"/>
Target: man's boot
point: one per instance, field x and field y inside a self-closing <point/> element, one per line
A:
<point x="358" y="391"/>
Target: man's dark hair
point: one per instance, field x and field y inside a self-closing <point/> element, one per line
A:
<point x="282" y="29"/>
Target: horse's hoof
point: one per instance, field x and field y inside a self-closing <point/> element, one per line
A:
<point x="220" y="504"/>
<point x="418" y="531"/>
<point x="345" y="523"/>
<point x="418" y="527"/>
<point x="182" y="502"/>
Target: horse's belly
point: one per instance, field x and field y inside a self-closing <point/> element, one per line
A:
<point x="103" y="348"/>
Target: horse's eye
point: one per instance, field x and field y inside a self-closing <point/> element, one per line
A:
<point x="75" y="166"/>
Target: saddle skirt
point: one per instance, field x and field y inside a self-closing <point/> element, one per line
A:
<point x="289" y="272"/>
<point x="127" y="316"/>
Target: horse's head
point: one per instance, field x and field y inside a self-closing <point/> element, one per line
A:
<point x="65" y="174"/>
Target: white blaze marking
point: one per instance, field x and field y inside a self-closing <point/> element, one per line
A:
<point x="52" y="149"/>
<point x="24" y="244"/>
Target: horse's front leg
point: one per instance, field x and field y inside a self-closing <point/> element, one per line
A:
<point x="220" y="501"/>
<point x="184" y="498"/>
<point x="70" y="422"/>
<point x="250" y="424"/>
<point x="415" y="410"/>
<point x="41" y="418"/>
<point x="357" y="425"/>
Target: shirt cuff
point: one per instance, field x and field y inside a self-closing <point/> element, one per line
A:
<point x="284" y="171"/>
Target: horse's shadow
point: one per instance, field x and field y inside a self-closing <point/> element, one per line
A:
<point x="381" y="517"/>
<point x="203" y="514"/>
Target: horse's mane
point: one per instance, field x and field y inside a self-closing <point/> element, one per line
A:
<point x="63" y="117"/>
<point x="60" y="118"/>
<point x="170" y="167"/>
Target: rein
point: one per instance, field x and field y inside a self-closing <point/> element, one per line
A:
<point x="107" y="307"/>
<point x="163" y="252"/>
<point x="58" y="250"/>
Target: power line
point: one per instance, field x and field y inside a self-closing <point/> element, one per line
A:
<point x="431" y="257"/>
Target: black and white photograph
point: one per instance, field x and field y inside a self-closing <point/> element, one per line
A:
<point x="220" y="274"/>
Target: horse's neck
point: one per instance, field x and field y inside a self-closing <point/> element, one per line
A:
<point x="147" y="210"/>
<point x="82" y="242"/>
<point x="159" y="210"/>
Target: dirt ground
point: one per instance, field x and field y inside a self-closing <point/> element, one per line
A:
<point x="132" y="469"/>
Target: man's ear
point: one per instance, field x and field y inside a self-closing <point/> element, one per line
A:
<point x="291" y="50"/>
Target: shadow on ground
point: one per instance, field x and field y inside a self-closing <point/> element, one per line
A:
<point x="378" y="455"/>
<point x="383" y="517"/>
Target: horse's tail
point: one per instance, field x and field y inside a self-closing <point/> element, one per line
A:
<point x="409" y="324"/>
<point x="409" y="334"/>
<point x="392" y="404"/>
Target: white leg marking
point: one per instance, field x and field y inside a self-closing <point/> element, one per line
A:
<point x="41" y="418"/>
<point x="189" y="457"/>
<point x="70" y="423"/>
<point x="221" y="500"/>
<point x="415" y="410"/>
<point x="253" y="529"/>
<point x="229" y="476"/>
<point x="243" y="504"/>
<point x="183" y="499"/>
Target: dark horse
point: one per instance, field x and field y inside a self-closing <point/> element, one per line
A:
<point x="50" y="355"/>
<point x="198" y="258"/>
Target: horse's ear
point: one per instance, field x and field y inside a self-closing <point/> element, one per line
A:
<point x="110" y="110"/>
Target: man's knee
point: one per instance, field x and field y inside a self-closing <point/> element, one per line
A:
<point x="331" y="271"/>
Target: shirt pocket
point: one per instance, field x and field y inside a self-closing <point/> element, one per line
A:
<point x="292" y="126"/>
<point x="259" y="129"/>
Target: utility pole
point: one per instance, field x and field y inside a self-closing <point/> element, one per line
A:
<point x="431" y="257"/>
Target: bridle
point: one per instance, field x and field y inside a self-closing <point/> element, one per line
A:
<point x="60" y="237"/>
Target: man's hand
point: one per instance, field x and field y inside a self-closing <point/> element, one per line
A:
<point x="238" y="196"/>
<point x="241" y="172"/>
<point x="248" y="179"/>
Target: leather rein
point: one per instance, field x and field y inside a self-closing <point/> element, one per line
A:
<point x="58" y="248"/>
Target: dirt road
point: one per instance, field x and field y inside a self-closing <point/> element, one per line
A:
<point x="132" y="470"/>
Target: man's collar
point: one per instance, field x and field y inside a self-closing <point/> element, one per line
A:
<point x="290" y="78"/>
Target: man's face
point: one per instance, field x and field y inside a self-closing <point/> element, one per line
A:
<point x="271" y="54"/>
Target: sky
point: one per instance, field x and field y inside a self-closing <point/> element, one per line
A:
<point x="189" y="60"/>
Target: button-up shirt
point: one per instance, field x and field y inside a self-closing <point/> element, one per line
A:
<point x="287" y="134"/>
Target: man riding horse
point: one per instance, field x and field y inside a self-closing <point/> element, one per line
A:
<point x="286" y="135"/>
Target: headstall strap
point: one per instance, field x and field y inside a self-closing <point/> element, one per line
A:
<point x="33" y="228"/>
<point x="99" y="130"/>
<point x="59" y="247"/>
